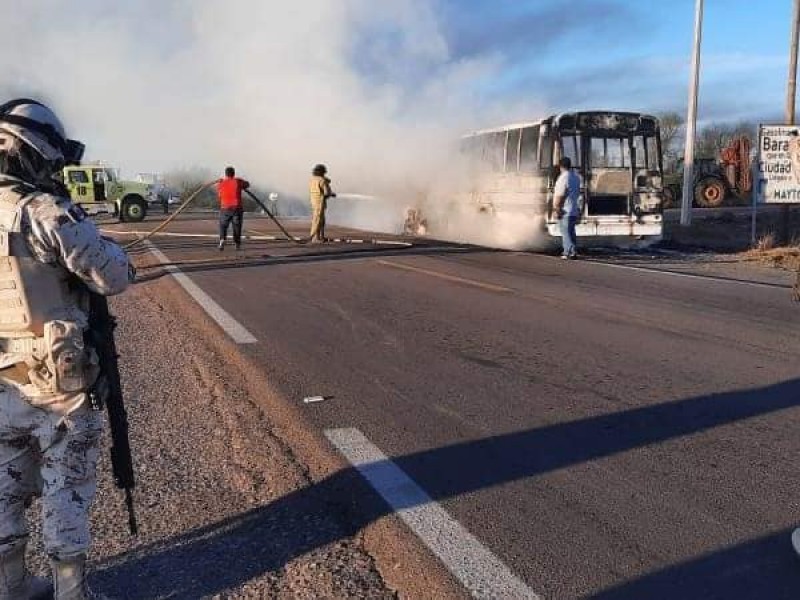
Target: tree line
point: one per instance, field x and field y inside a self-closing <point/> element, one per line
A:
<point x="184" y="182"/>
<point x="711" y="138"/>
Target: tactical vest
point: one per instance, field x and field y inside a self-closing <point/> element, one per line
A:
<point x="35" y="306"/>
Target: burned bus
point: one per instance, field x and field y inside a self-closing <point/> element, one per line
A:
<point x="511" y="170"/>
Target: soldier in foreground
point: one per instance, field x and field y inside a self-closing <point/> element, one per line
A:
<point x="50" y="257"/>
<point x="319" y="190"/>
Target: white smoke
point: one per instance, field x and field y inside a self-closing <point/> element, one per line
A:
<point x="269" y="87"/>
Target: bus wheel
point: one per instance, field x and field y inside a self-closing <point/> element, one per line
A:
<point x="709" y="193"/>
<point x="133" y="210"/>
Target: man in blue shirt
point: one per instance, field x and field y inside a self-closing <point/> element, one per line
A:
<point x="566" y="206"/>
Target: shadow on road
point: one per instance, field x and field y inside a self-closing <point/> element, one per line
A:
<point x="766" y="567"/>
<point x="211" y="559"/>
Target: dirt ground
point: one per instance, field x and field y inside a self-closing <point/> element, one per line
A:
<point x="225" y="507"/>
<point x="729" y="230"/>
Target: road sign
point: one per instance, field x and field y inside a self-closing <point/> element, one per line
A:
<point x="778" y="164"/>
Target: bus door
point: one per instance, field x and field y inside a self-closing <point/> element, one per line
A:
<point x="610" y="175"/>
<point x="571" y="146"/>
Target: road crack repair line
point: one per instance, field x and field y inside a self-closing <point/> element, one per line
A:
<point x="454" y="278"/>
<point x="237" y="332"/>
<point x="482" y="573"/>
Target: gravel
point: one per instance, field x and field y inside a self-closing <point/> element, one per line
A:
<point x="225" y="508"/>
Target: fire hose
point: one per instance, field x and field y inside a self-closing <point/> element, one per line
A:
<point x="191" y="198"/>
<point x="172" y="217"/>
<point x="297" y="240"/>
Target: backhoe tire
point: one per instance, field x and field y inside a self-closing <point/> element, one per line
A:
<point x="709" y="193"/>
<point x="133" y="209"/>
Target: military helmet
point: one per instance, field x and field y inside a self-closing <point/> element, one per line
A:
<point x="33" y="137"/>
<point x="319" y="170"/>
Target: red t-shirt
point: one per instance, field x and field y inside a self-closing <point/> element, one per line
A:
<point x="230" y="192"/>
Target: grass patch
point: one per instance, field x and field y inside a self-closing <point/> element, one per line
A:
<point x="785" y="257"/>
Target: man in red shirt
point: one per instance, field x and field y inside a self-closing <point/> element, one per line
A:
<point x="229" y="190"/>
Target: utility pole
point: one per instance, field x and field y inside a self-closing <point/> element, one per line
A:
<point x="791" y="94"/>
<point x="691" y="120"/>
<point x="791" y="86"/>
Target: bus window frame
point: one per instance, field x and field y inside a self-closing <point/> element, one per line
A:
<point x="655" y="140"/>
<point x="577" y="146"/>
<point x="502" y="168"/>
<point x="545" y="152"/>
<point x="532" y="165"/>
<point x="519" y="140"/>
<point x="495" y="160"/>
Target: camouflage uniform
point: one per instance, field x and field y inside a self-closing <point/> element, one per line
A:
<point x="54" y="455"/>
<point x="319" y="190"/>
<point x="48" y="436"/>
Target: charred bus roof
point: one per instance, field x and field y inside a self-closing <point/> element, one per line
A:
<point x="606" y="121"/>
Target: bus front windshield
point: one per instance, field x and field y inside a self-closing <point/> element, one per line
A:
<point x="609" y="153"/>
<point x="615" y="152"/>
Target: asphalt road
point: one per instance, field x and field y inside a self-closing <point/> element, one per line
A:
<point x="606" y="432"/>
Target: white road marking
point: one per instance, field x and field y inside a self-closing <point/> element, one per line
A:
<point x="482" y="573"/>
<point x="454" y="278"/>
<point x="231" y="326"/>
<point x="689" y="275"/>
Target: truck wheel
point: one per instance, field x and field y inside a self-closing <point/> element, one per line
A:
<point x="133" y="209"/>
<point x="709" y="193"/>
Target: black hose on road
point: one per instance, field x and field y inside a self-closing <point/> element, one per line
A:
<point x="289" y="236"/>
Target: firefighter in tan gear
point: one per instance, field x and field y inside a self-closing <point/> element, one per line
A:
<point x="49" y="433"/>
<point x="319" y="190"/>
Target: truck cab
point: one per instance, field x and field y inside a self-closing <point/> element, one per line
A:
<point x="98" y="188"/>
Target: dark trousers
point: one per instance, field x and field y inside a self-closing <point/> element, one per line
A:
<point x="226" y="215"/>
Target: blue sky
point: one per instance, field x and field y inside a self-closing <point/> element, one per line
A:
<point x="629" y="54"/>
<point x="276" y="74"/>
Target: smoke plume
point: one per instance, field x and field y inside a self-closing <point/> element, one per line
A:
<point x="369" y="88"/>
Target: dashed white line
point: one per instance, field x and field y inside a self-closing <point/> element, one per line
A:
<point x="482" y="573"/>
<point x="447" y="277"/>
<point x="231" y="326"/>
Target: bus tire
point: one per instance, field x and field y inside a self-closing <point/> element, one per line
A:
<point x="133" y="209"/>
<point x="709" y="192"/>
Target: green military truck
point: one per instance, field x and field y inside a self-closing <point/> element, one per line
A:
<point x="98" y="188"/>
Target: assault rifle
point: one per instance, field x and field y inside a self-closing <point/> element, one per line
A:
<point x="108" y="391"/>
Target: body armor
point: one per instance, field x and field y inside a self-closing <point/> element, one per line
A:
<point x="41" y="321"/>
